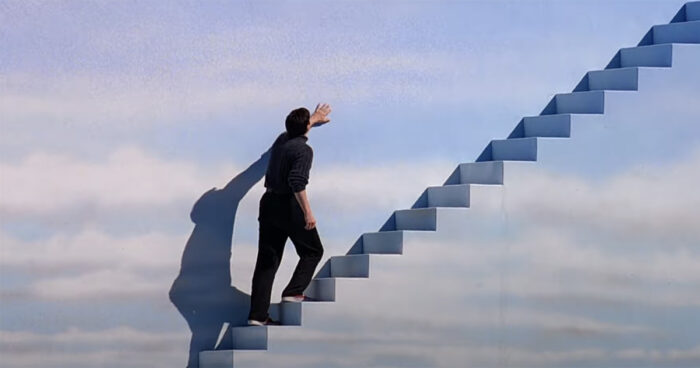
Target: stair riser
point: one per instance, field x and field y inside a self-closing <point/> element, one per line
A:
<point x="581" y="103"/>
<point x="249" y="338"/>
<point x="387" y="242"/>
<point x="524" y="149"/>
<point x="448" y="196"/>
<point x="614" y="79"/>
<point x="692" y="11"/>
<point x="548" y="126"/>
<point x="481" y="173"/>
<point x="416" y="219"/>
<point x="350" y="266"/>
<point x="321" y="289"/>
<point x="687" y="32"/>
<point x="287" y="313"/>
<point x="652" y="56"/>
<point x="216" y="359"/>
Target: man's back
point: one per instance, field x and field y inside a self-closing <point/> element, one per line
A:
<point x="285" y="213"/>
<point x="289" y="165"/>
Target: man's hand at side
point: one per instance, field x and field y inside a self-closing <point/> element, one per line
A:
<point x="309" y="220"/>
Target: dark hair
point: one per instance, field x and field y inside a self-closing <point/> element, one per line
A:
<point x="297" y="122"/>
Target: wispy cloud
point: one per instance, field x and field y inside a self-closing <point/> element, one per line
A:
<point x="43" y="183"/>
<point x="119" y="346"/>
<point x="647" y="201"/>
<point x="50" y="185"/>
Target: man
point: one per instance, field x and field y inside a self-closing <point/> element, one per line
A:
<point x="285" y="212"/>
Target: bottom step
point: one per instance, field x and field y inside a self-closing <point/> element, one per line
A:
<point x="249" y="337"/>
<point x="216" y="359"/>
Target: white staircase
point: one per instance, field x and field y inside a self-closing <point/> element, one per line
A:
<point x="440" y="208"/>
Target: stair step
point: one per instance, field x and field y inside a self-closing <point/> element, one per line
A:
<point x="692" y="11"/>
<point x="321" y="289"/>
<point x="416" y="219"/>
<point x="287" y="313"/>
<point x="558" y="125"/>
<point x="685" y="32"/>
<point x="516" y="149"/>
<point x="383" y="242"/>
<point x="588" y="102"/>
<point x="249" y="337"/>
<point x="456" y="195"/>
<point x="216" y="359"/>
<point x="622" y="79"/>
<point x="353" y="265"/>
<point x="653" y="55"/>
<point x="486" y="172"/>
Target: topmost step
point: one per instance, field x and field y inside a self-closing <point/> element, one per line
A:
<point x="685" y="32"/>
<point x="692" y="11"/>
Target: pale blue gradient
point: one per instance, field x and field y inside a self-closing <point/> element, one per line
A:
<point x="408" y="82"/>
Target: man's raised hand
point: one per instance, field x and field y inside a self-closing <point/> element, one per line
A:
<point x="320" y="115"/>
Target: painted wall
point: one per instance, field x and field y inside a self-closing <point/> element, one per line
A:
<point x="131" y="142"/>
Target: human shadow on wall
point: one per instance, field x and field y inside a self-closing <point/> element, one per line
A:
<point x="202" y="291"/>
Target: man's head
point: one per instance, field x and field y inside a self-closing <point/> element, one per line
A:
<point x="297" y="122"/>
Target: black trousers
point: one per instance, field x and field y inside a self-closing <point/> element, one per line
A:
<point x="281" y="217"/>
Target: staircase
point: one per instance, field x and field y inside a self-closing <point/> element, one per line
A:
<point x="663" y="47"/>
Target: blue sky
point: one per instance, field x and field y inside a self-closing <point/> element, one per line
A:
<point x="116" y="116"/>
<point x="169" y="77"/>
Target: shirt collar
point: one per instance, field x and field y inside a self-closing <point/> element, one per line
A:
<point x="303" y="137"/>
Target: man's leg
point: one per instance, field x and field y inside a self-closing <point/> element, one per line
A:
<point x="310" y="250"/>
<point x="270" y="249"/>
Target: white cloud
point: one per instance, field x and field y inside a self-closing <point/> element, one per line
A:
<point x="43" y="183"/>
<point x="535" y="264"/>
<point x="130" y="347"/>
<point x="93" y="264"/>
<point x="394" y="346"/>
<point x="76" y="347"/>
<point x="78" y="336"/>
<point x="127" y="100"/>
<point x="104" y="284"/>
<point x="88" y="262"/>
<point x="647" y="200"/>
<point x="363" y="189"/>
<point x="255" y="67"/>
<point x="91" y="249"/>
<point x="130" y="177"/>
<point x="554" y="263"/>
<point x="105" y="258"/>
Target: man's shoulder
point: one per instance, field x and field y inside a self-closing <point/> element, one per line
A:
<point x="281" y="138"/>
<point x="304" y="146"/>
<point x="297" y="146"/>
<point x="297" y="142"/>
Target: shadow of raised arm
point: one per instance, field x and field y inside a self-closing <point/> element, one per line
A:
<point x="202" y="291"/>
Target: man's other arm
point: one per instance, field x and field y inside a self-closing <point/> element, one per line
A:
<point x="309" y="218"/>
<point x="297" y="180"/>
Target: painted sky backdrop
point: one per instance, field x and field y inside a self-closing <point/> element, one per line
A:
<point x="116" y="116"/>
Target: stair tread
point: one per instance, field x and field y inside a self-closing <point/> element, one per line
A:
<point x="627" y="68"/>
<point x="521" y="139"/>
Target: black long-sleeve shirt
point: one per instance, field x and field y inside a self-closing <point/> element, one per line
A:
<point x="289" y="165"/>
